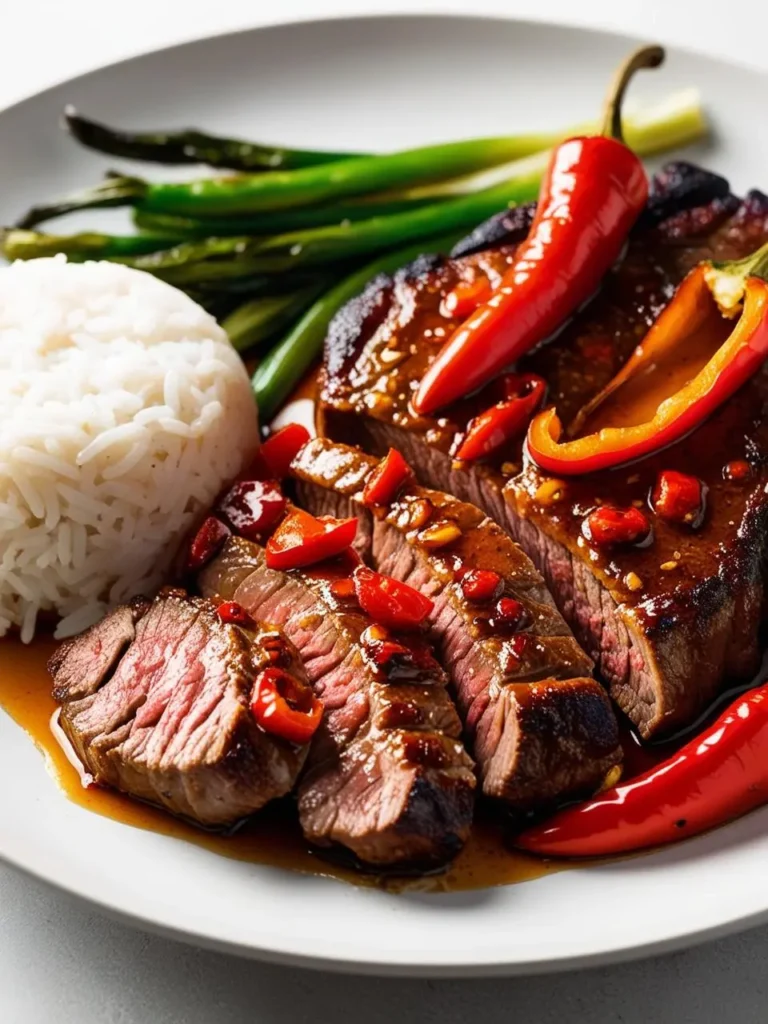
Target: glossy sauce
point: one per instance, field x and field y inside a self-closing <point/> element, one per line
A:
<point x="273" y="837"/>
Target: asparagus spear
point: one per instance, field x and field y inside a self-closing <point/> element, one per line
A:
<point x="287" y="363"/>
<point x="271" y="222"/>
<point x="260" y="318"/>
<point x="20" y="244"/>
<point x="192" y="147"/>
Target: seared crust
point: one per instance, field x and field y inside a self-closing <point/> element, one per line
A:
<point x="669" y="645"/>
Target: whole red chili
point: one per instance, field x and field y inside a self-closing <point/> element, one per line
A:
<point x="206" y="542"/>
<point x="278" y="452"/>
<point x="252" y="507"/>
<point x="607" y="526"/>
<point x="593" y="192"/>
<point x="678" y="498"/>
<point x="720" y="774"/>
<point x="234" y="613"/>
<point x="480" y="585"/>
<point x="505" y="420"/>
<point x="388" y="601"/>
<point x="284" y="707"/>
<point x="387" y="479"/>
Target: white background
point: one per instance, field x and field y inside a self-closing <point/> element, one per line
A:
<point x="61" y="962"/>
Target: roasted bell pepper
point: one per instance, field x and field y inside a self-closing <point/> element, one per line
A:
<point x="592" y="194"/>
<point x="388" y="601"/>
<point x="284" y="708"/>
<point x="711" y="295"/>
<point x="302" y="540"/>
<point x="719" y="775"/>
<point x="506" y="419"/>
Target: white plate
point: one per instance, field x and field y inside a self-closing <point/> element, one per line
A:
<point x="378" y="83"/>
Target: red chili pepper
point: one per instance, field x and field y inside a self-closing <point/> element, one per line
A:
<point x="678" y="498"/>
<point x="234" y="613"/>
<point x="389" y="601"/>
<point x="206" y="542"/>
<point x="464" y="298"/>
<point x="593" y="192"/>
<point x="301" y="540"/>
<point x="480" y="585"/>
<point x="285" y="708"/>
<point x="739" y="469"/>
<point x="509" y="612"/>
<point x="702" y="308"/>
<point x="607" y="526"/>
<point x="719" y="775"/>
<point x="343" y="588"/>
<point x="505" y="420"/>
<point x="252" y="506"/>
<point x="387" y="479"/>
<point x="278" y="452"/>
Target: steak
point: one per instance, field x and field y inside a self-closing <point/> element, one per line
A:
<point x="668" y="624"/>
<point x="155" y="702"/>
<point x="541" y="730"/>
<point x="387" y="776"/>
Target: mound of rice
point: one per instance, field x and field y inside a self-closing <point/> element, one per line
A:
<point x="123" y="412"/>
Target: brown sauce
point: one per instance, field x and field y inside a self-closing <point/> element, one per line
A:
<point x="272" y="837"/>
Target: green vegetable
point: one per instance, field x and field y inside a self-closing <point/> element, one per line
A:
<point x="192" y="147"/>
<point x="287" y="363"/>
<point x="19" y="244"/>
<point x="260" y="318"/>
<point x="269" y="223"/>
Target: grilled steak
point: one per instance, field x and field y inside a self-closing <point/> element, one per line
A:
<point x="540" y="728"/>
<point x="387" y="776"/>
<point x="155" y="702"/>
<point x="666" y="624"/>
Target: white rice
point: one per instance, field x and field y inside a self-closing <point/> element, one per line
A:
<point x="123" y="411"/>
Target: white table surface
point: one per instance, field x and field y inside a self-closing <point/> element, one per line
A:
<point x="59" y="960"/>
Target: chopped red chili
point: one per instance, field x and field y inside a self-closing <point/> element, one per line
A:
<point x="285" y="708"/>
<point x="464" y="298"/>
<point x="235" y="614"/>
<point x="301" y="540"/>
<point x="505" y="420"/>
<point x="343" y="588"/>
<point x="480" y="585"/>
<point x="678" y="498"/>
<point x="206" y="542"/>
<point x="387" y="479"/>
<point x="739" y="469"/>
<point x="509" y="613"/>
<point x="252" y="507"/>
<point x="278" y="452"/>
<point x="607" y="526"/>
<point x="389" y="601"/>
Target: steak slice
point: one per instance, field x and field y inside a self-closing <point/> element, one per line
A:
<point x="155" y="702"/>
<point x="669" y="624"/>
<point x="540" y="728"/>
<point x="387" y="776"/>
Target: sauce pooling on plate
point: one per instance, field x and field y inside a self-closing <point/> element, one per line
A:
<point x="272" y="837"/>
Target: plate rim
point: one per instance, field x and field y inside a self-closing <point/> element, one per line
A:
<point x="14" y="856"/>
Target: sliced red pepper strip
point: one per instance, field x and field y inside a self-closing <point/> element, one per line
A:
<point x="301" y="540"/>
<point x="389" y="601"/>
<point x="592" y="194"/>
<point x="275" y="456"/>
<point x="719" y="775"/>
<point x="505" y="420"/>
<point x="389" y="477"/>
<point x="285" y="708"/>
<point x="660" y="359"/>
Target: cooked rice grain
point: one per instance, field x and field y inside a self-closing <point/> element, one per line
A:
<point x="123" y="412"/>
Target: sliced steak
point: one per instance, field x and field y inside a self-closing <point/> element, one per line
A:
<point x="155" y="702"/>
<point x="668" y="624"/>
<point x="540" y="728"/>
<point x="387" y="777"/>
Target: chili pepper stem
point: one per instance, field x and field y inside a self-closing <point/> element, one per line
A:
<point x="727" y="279"/>
<point x="644" y="57"/>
